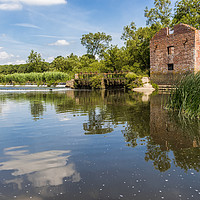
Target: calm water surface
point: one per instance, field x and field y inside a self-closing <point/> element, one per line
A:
<point x="84" y="145"/>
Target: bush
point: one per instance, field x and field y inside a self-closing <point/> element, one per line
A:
<point x="135" y="84"/>
<point x="155" y="86"/>
<point x="131" y="76"/>
<point x="133" y="80"/>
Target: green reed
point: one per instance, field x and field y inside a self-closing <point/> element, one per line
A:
<point x="46" y="77"/>
<point x="185" y="97"/>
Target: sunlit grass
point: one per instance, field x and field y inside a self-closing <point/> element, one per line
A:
<point x="185" y="97"/>
<point x="42" y="78"/>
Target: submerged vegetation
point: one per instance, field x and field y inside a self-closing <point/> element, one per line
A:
<point x="185" y="98"/>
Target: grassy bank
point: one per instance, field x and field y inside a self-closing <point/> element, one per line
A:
<point x="185" y="98"/>
<point x="35" y="78"/>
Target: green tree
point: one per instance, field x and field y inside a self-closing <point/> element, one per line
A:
<point x="137" y="45"/>
<point x="188" y="12"/>
<point x="59" y="63"/>
<point x="96" y="43"/>
<point x="161" y="13"/>
<point x="36" y="63"/>
<point x="114" y="59"/>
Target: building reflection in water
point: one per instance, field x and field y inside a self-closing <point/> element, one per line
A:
<point x="168" y="132"/>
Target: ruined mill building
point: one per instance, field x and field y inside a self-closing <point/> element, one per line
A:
<point x="173" y="54"/>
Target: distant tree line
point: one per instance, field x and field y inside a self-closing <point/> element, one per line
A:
<point x="101" y="56"/>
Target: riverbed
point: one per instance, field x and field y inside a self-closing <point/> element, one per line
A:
<point x="87" y="145"/>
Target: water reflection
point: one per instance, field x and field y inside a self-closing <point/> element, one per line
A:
<point x="96" y="123"/>
<point x="169" y="132"/>
<point x="144" y="142"/>
<point x="42" y="169"/>
<point x="141" y="123"/>
<point x="37" y="109"/>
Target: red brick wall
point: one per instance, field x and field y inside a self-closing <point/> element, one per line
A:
<point x="197" y="54"/>
<point x="184" y="57"/>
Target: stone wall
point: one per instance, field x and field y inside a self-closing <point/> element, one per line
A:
<point x="173" y="54"/>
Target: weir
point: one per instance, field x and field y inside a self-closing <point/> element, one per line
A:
<point x="106" y="80"/>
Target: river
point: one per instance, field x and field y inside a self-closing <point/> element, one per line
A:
<point x="95" y="145"/>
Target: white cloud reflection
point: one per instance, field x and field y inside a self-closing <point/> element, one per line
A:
<point x="42" y="169"/>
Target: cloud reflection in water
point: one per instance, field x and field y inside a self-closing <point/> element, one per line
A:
<point x="42" y="168"/>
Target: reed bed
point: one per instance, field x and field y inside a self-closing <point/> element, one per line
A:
<point x="185" y="97"/>
<point x="46" y="77"/>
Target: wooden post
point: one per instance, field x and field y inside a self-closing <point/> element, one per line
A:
<point x="102" y="84"/>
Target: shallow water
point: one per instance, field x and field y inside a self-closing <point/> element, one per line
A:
<point x="72" y="145"/>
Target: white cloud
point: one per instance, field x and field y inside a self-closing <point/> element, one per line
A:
<point x="43" y="2"/>
<point x="28" y="25"/>
<point x="47" y="36"/>
<point x="18" y="4"/>
<point x="10" y="6"/>
<point x="60" y="43"/>
<point x="5" y="55"/>
<point x="18" y="62"/>
<point x="50" y="59"/>
<point x="1" y="47"/>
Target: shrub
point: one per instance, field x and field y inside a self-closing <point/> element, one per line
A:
<point x="155" y="86"/>
<point x="131" y="76"/>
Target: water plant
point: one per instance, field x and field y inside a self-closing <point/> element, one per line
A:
<point x="37" y="78"/>
<point x="185" y="97"/>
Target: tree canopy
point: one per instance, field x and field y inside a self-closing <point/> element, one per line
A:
<point x="161" y="13"/>
<point x="96" y="43"/>
<point x="36" y="63"/>
<point x="188" y="12"/>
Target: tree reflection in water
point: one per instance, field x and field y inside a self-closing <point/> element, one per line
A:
<point x="97" y="124"/>
<point x="148" y="121"/>
<point x="37" y="109"/>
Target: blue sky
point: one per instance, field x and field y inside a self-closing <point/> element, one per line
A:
<point x="54" y="27"/>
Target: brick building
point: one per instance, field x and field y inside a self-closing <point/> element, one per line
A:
<point x="173" y="54"/>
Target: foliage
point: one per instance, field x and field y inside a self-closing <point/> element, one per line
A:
<point x="96" y="43"/>
<point x="11" y="69"/>
<point x="131" y="76"/>
<point x="45" y="77"/>
<point x="95" y="81"/>
<point x="137" y="50"/>
<point x="133" y="80"/>
<point x="114" y="59"/>
<point x="160" y="14"/>
<point x="188" y="12"/>
<point x="36" y="63"/>
<point x="155" y="86"/>
<point x="185" y="98"/>
<point x="68" y="64"/>
<point x="135" y="84"/>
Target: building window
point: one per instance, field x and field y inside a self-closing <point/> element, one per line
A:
<point x="170" y="66"/>
<point x="170" y="50"/>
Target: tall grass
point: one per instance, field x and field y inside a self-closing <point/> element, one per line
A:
<point x="46" y="77"/>
<point x="185" y="97"/>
